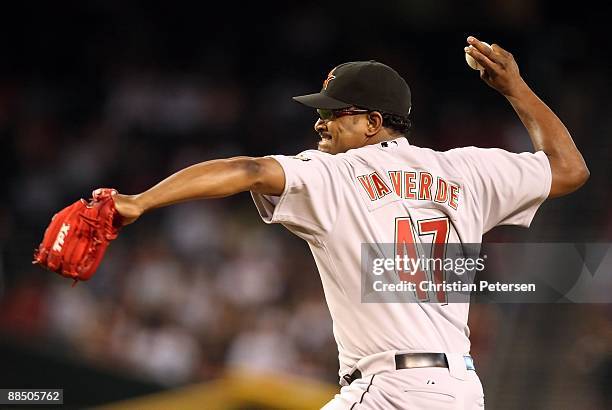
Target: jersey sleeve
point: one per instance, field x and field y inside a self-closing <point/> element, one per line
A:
<point x="309" y="203"/>
<point x="508" y="187"/>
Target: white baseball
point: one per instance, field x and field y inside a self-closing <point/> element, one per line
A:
<point x="473" y="63"/>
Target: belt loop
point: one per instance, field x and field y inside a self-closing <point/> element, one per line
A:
<point x="456" y="366"/>
<point x="469" y="362"/>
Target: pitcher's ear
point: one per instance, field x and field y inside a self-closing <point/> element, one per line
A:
<point x="375" y="122"/>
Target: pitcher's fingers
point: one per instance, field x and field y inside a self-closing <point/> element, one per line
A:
<point x="480" y="58"/>
<point x="486" y="49"/>
<point x="483" y="47"/>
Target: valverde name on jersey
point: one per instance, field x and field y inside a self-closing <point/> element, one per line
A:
<point x="411" y="185"/>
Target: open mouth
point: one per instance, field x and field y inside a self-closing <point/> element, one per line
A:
<point x="325" y="142"/>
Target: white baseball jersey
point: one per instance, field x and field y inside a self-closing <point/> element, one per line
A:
<point x="375" y="193"/>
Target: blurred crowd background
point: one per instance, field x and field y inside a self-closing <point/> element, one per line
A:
<point x="118" y="95"/>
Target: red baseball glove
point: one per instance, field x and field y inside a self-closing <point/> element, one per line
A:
<point x="78" y="235"/>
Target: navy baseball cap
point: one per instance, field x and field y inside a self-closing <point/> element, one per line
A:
<point x="364" y="84"/>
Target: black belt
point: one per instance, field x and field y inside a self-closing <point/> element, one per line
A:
<point x="414" y="361"/>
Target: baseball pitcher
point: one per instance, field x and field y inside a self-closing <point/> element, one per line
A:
<point x="368" y="184"/>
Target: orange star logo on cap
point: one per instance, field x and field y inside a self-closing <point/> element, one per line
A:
<point x="330" y="77"/>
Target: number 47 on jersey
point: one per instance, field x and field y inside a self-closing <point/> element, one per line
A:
<point x="406" y="247"/>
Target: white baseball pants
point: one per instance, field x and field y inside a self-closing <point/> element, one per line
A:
<point x="429" y="388"/>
